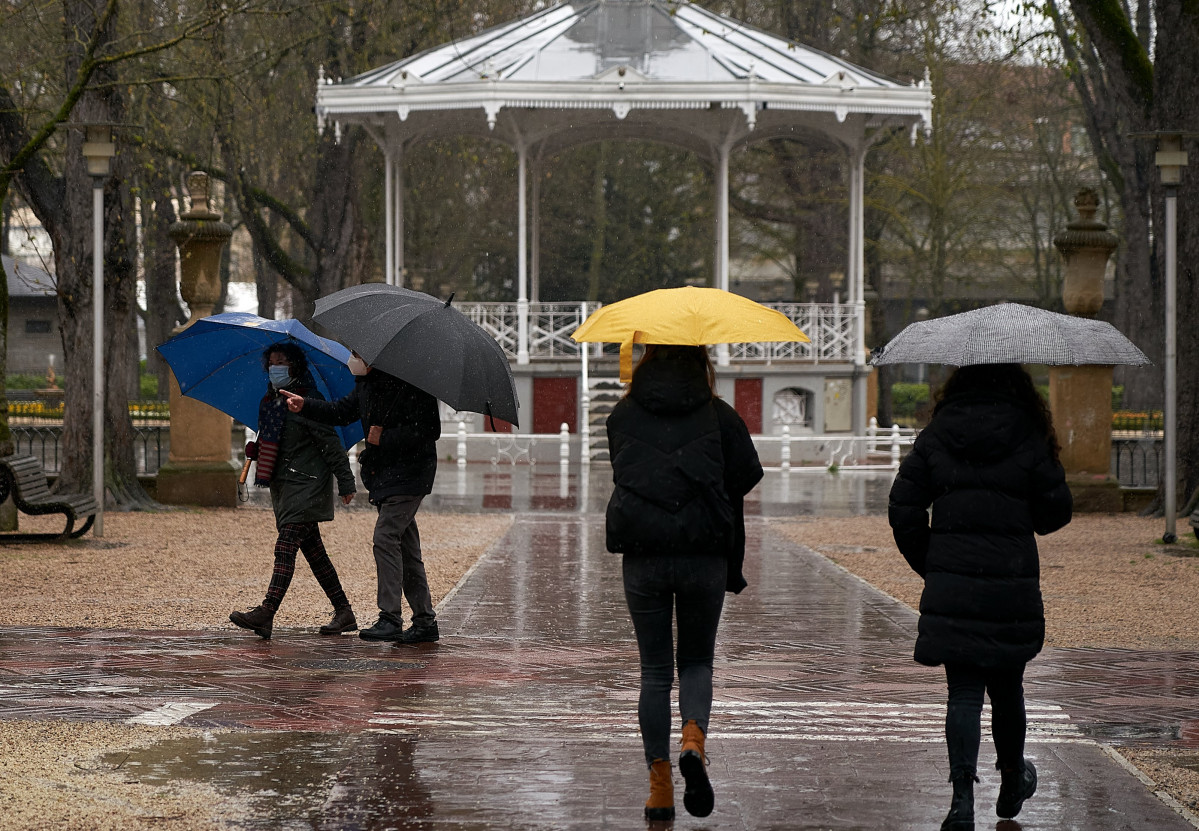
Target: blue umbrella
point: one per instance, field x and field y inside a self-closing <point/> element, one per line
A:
<point x="218" y="360"/>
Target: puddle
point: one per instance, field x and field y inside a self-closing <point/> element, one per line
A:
<point x="1132" y="732"/>
<point x="296" y="780"/>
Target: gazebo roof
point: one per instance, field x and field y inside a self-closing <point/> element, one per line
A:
<point x="608" y="69"/>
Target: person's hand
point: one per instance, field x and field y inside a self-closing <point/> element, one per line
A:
<point x="295" y="403"/>
<point x="347" y="498"/>
<point x="374" y="436"/>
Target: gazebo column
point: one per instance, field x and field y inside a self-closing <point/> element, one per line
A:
<point x="389" y="229"/>
<point x="522" y="256"/>
<point x="397" y="275"/>
<point x="535" y="238"/>
<point x="857" y="283"/>
<point x="722" y="235"/>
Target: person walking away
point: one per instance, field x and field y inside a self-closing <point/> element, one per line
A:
<point x="682" y="462"/>
<point x="298" y="460"/>
<point x="987" y="464"/>
<point x="402" y="425"/>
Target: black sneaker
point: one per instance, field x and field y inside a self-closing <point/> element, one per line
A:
<point x="421" y="633"/>
<point x="385" y="629"/>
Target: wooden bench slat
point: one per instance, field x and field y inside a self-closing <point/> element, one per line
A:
<point x="23" y="477"/>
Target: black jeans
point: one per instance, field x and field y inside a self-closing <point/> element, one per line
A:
<point x="657" y="589"/>
<point x="1008" y="722"/>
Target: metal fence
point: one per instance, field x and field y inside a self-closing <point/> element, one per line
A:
<point x="1137" y="462"/>
<point x="151" y="445"/>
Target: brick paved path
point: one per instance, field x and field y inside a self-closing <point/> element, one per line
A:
<point x="524" y="716"/>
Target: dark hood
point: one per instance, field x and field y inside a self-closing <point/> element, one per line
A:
<point x="981" y="426"/>
<point x="670" y="387"/>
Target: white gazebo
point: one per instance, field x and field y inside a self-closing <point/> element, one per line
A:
<point x="627" y="69"/>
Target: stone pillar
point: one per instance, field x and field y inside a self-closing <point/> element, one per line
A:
<point x="200" y="470"/>
<point x="1080" y="397"/>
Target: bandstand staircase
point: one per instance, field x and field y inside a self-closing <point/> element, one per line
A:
<point x="603" y="392"/>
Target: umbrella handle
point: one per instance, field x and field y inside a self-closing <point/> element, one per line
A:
<point x="245" y="471"/>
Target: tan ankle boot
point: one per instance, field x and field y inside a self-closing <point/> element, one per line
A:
<point x="698" y="798"/>
<point x="660" y="805"/>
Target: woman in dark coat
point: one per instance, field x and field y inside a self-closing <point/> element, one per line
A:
<point x="987" y="464"/>
<point x="682" y="462"/>
<point x="298" y="460"/>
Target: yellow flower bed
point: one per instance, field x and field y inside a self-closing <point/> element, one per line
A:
<point x="52" y="410"/>
<point x="1132" y="420"/>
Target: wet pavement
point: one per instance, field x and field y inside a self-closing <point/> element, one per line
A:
<point x="524" y="715"/>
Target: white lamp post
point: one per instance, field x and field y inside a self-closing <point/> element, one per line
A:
<point x="98" y="150"/>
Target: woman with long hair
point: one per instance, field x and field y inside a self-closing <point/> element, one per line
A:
<point x="987" y="465"/>
<point x="299" y="460"/>
<point x="682" y="463"/>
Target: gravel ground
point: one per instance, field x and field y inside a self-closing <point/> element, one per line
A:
<point x="1107" y="583"/>
<point x="174" y="570"/>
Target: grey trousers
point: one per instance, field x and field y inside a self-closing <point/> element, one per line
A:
<point x="398" y="563"/>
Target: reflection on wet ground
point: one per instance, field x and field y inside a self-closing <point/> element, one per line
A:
<point x="296" y="779"/>
<point x="524" y="715"/>
<point x="550" y="488"/>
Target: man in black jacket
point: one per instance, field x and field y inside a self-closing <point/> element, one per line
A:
<point x="402" y="425"/>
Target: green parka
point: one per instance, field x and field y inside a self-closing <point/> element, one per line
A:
<point x="310" y="457"/>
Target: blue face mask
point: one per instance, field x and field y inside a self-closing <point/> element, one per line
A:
<point x="279" y="375"/>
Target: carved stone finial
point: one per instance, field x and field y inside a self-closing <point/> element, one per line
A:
<point x="1085" y="246"/>
<point x="200" y="235"/>
<point x="1086" y="202"/>
<point x="197" y="188"/>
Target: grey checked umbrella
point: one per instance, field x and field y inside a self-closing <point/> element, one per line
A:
<point x="1010" y="333"/>
<point x="426" y="342"/>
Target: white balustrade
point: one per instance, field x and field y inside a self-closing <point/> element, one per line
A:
<point x="831" y="326"/>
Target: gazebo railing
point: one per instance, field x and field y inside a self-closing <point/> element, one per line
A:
<point x="831" y="326"/>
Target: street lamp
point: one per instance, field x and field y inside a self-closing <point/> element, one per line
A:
<point x="98" y="150"/>
<point x="1170" y="159"/>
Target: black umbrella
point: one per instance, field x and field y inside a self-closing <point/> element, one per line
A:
<point x="426" y="342"/>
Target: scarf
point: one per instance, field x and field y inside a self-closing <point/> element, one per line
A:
<point x="272" y="412"/>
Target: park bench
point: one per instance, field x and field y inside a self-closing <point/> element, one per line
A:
<point x="23" y="477"/>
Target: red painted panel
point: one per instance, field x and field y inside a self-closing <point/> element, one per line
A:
<point x="747" y="401"/>
<point x="555" y="400"/>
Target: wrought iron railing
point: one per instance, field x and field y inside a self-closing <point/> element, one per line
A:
<point x="1137" y="462"/>
<point x="831" y="326"/>
<point x="151" y="445"/>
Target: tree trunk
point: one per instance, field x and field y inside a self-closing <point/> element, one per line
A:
<point x="266" y="284"/>
<point x="1176" y="107"/>
<point x="599" y="205"/>
<point x="163" y="312"/>
<point x="71" y="231"/>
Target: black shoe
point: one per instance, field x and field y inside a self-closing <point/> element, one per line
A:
<point x="385" y="629"/>
<point x="961" y="810"/>
<point x="1015" y="787"/>
<point x="260" y="619"/>
<point x="343" y="621"/>
<point x="420" y="633"/>
<point x="698" y="798"/>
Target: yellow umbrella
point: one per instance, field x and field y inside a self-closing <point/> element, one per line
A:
<point x="687" y="316"/>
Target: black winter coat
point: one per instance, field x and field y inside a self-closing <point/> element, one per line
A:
<point x="682" y="462"/>
<point x="405" y="460"/>
<point x="988" y="474"/>
<point x="310" y="459"/>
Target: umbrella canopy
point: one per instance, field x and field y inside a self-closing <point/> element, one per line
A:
<point x="426" y="342"/>
<point x="1010" y="333"/>
<point x="218" y="360"/>
<point x="687" y="316"/>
